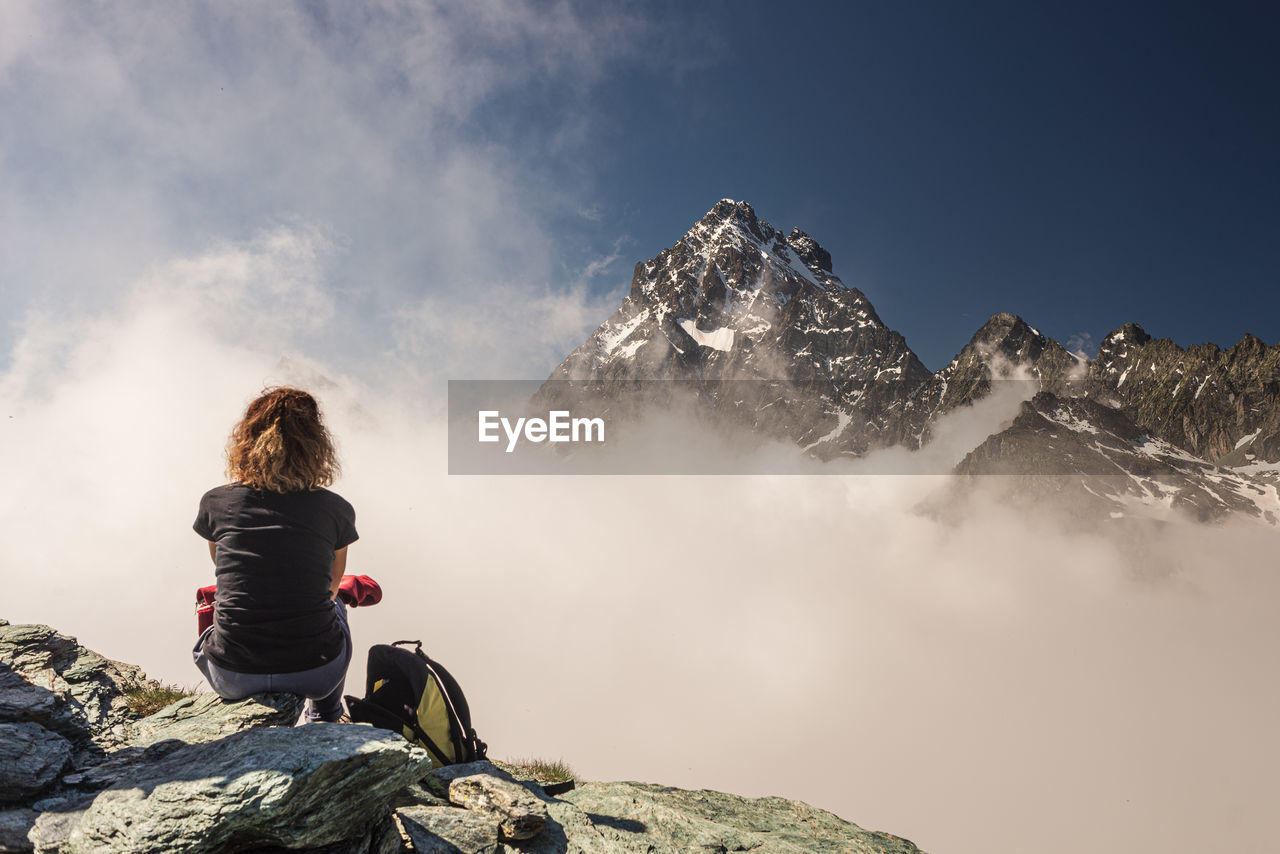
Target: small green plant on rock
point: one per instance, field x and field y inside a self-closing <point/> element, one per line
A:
<point x="154" y="696"/>
<point x="543" y="771"/>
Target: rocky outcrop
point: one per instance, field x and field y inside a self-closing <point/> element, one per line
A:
<point x="50" y="679"/>
<point x="479" y="787"/>
<point x="204" y="775"/>
<point x="1221" y="405"/>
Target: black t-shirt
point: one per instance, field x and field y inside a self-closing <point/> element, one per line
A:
<point x="275" y="551"/>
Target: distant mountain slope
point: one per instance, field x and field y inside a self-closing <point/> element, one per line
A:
<point x="771" y="340"/>
<point x="1223" y="405"/>
<point x="1099" y="461"/>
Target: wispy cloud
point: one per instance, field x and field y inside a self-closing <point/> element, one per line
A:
<point x="1082" y="345"/>
<point x="135" y="134"/>
<point x="597" y="266"/>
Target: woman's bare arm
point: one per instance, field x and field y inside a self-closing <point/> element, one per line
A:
<point x="213" y="551"/>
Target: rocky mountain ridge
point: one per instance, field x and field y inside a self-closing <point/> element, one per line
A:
<point x="1221" y="405"/>
<point x="80" y="772"/>
<point x="1094" y="459"/>
<point x="774" y="342"/>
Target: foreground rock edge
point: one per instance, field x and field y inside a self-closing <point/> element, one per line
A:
<point x="206" y="775"/>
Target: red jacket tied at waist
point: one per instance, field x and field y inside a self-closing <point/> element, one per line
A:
<point x="354" y="590"/>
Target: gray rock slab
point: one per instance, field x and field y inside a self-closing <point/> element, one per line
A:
<point x="192" y="720"/>
<point x="31" y="758"/>
<point x="121" y="764"/>
<point x="14" y="826"/>
<point x="448" y="830"/>
<point x="297" y="788"/>
<point x="518" y="812"/>
<point x="207" y="717"/>
<point x="467" y="769"/>
<point x="657" y="819"/>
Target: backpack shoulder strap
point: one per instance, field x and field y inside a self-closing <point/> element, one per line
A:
<point x="362" y="711"/>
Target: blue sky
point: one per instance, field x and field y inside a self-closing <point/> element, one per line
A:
<point x="1082" y="166"/>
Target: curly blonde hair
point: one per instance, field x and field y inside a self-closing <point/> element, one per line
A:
<point x="281" y="444"/>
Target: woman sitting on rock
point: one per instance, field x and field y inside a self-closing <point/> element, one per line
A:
<point x="279" y="542"/>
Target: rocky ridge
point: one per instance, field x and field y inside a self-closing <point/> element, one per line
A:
<point x="769" y="340"/>
<point x="80" y="772"/>
<point x="1221" y="405"/>
<point x="1096" y="462"/>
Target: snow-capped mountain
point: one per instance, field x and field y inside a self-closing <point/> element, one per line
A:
<point x="736" y="300"/>
<point x="771" y="340"/>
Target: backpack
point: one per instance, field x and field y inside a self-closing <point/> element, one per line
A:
<point x="408" y="693"/>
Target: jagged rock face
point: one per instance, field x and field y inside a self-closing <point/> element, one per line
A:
<point x="1222" y="405"/>
<point x="735" y="300"/>
<point x="1095" y="459"/>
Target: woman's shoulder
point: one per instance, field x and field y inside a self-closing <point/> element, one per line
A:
<point x="222" y="492"/>
<point x="333" y="499"/>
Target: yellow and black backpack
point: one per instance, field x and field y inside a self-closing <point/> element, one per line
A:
<point x="408" y="693"/>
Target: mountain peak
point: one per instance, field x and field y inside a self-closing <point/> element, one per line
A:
<point x="809" y="251"/>
<point x="1130" y="332"/>
<point x="735" y="299"/>
<point x="1003" y="325"/>
<point x="1010" y="333"/>
<point x="741" y="214"/>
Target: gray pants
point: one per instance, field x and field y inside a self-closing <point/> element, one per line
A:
<point x="322" y="686"/>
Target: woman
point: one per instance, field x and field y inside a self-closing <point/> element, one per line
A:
<point x="279" y="542"/>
